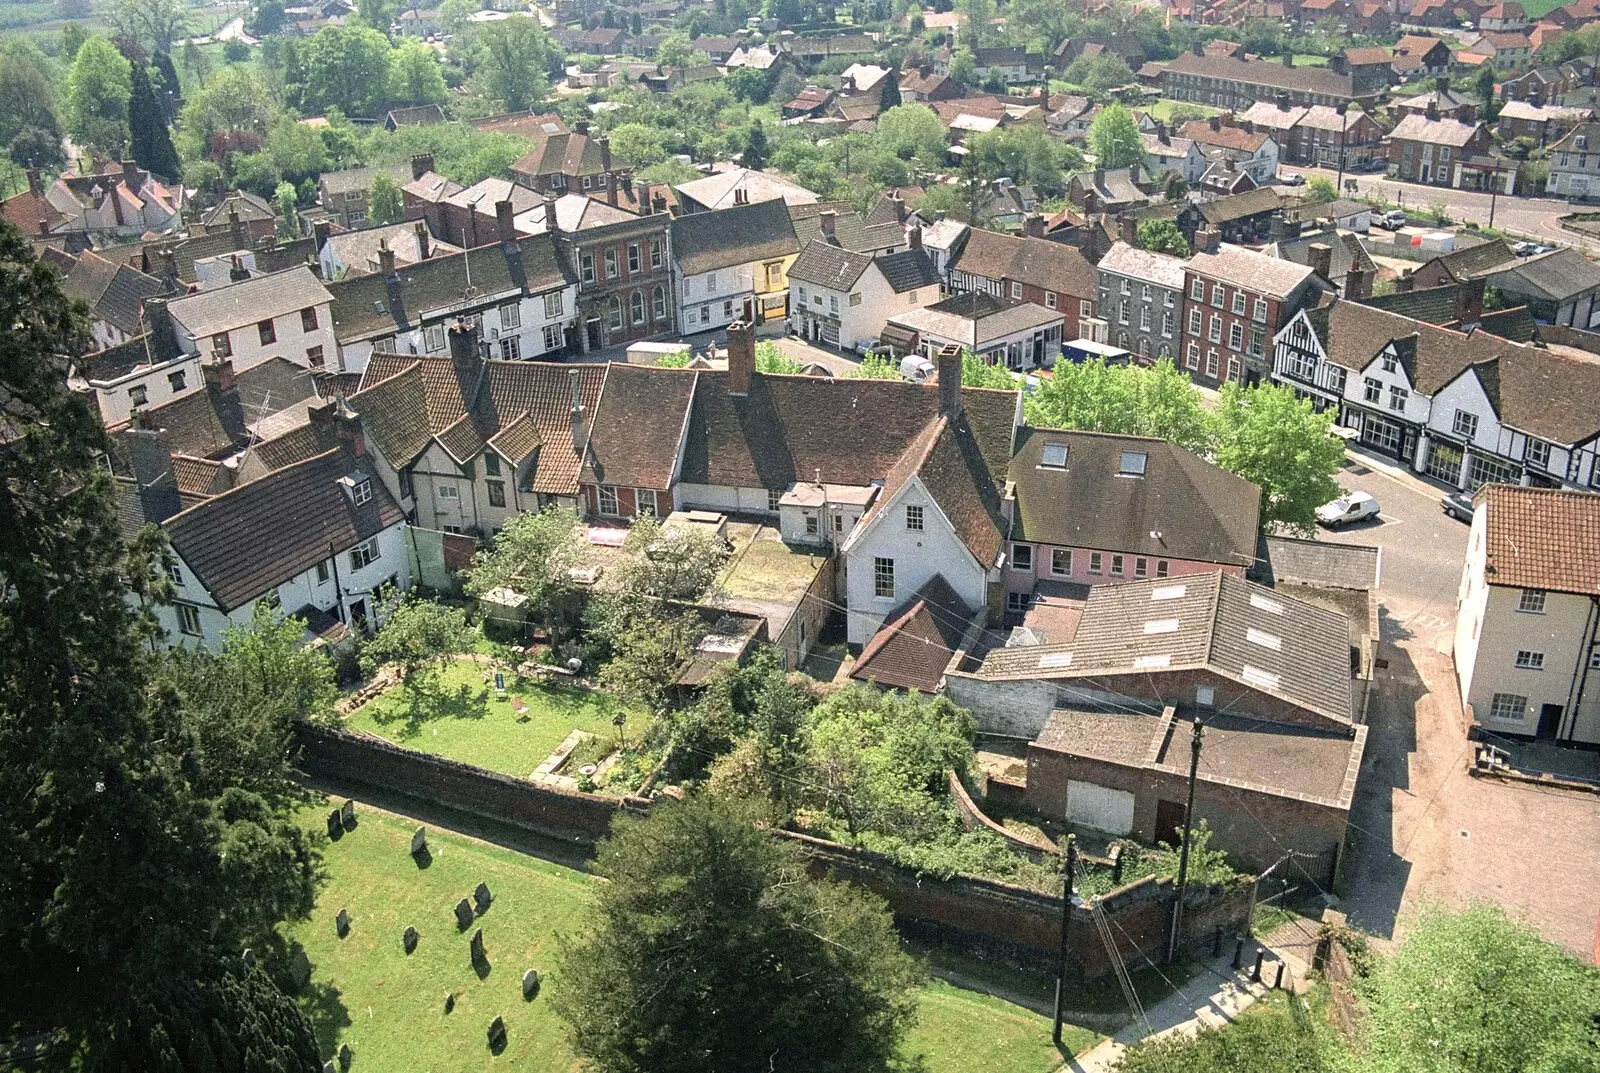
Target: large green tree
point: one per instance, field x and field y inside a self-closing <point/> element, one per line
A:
<point x="1477" y="992"/>
<point x="515" y="61"/>
<point x="911" y="132"/>
<point x="149" y="141"/>
<point x="417" y="638"/>
<point x="1131" y="400"/>
<point x="154" y="24"/>
<point x="98" y="90"/>
<point x="1114" y="138"/>
<point x="414" y="75"/>
<point x="1162" y="236"/>
<point x="347" y="67"/>
<point x="532" y="555"/>
<point x="711" y="949"/>
<point x="27" y="90"/>
<point x="1269" y="435"/>
<point x="121" y="908"/>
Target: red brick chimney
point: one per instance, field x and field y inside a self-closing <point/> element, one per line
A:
<point x="550" y="223"/>
<point x="1033" y="225"/>
<point x="505" y="221"/>
<point x="948" y="364"/>
<point x="1320" y="254"/>
<point x="347" y="425"/>
<point x="1469" y="302"/>
<point x="424" y="247"/>
<point x="421" y="164"/>
<point x="741" y="357"/>
<point x="1130" y="230"/>
<point x="829" y="220"/>
<point x="385" y="258"/>
<point x="218" y="374"/>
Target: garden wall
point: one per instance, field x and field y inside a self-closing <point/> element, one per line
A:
<point x="1011" y="922"/>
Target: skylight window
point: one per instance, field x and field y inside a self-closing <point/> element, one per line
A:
<point x="1264" y="639"/>
<point x="1258" y="677"/>
<point x="1149" y="662"/>
<point x="1133" y="464"/>
<point x="1262" y="603"/>
<point x="1161" y="625"/>
<point x="1169" y="592"/>
<point x="1055" y="660"/>
<point x="1054" y="456"/>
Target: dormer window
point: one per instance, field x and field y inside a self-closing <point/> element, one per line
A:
<point x="362" y="492"/>
<point x="1054" y="456"/>
<point x="1132" y="464"/>
<point x="1583" y="141"/>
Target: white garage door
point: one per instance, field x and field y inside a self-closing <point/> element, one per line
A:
<point x="1099" y="807"/>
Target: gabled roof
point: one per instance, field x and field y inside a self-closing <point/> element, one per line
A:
<point x="916" y="641"/>
<point x="908" y="270"/>
<point x="248" y="301"/>
<point x="561" y="153"/>
<point x="1251" y="270"/>
<point x="1541" y="538"/>
<point x="1053" y="266"/>
<point x="1476" y="260"/>
<point x="1258" y="637"/>
<point x="716" y="191"/>
<point x="976" y="318"/>
<point x="115" y="293"/>
<point x="1162" y="269"/>
<point x="305" y="509"/>
<point x="211" y="423"/>
<point x="1271" y="75"/>
<point x="1449" y="132"/>
<point x="1239" y="206"/>
<point x="638" y="428"/>
<point x="705" y="241"/>
<point x="823" y="264"/>
<point x="1227" y="137"/>
<point x="1352" y="335"/>
<point x="1550" y="393"/>
<point x="1199" y="511"/>
<point x="356" y="179"/>
<point x="1557" y="275"/>
<point x="249" y="207"/>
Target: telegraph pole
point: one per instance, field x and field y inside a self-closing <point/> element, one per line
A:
<point x="1066" y="916"/>
<point x="1183" y="855"/>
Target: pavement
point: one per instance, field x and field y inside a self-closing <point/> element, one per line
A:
<point x="1535" y="217"/>
<point x="1421" y="827"/>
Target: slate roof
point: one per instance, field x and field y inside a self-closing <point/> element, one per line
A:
<point x="114" y="292"/>
<point x="1557" y="275"/>
<point x="365" y="306"/>
<point x="1476" y="260"/>
<point x="1550" y="393"/>
<point x="302" y="506"/>
<point x="1268" y="75"/>
<point x="976" y="318"/>
<point x="1201" y="512"/>
<point x="360" y="179"/>
<point x="706" y="241"/>
<point x="823" y="264"/>
<point x="244" y="303"/>
<point x="1240" y="206"/>
<point x="1449" y="132"/>
<point x="1541" y="538"/>
<point x="850" y="231"/>
<point x="1257" y="637"/>
<point x="1052" y="266"/>
<point x="716" y="191"/>
<point x="209" y="423"/>
<point x="249" y="207"/>
<point x="1251" y="270"/>
<point x="1162" y="269"/>
<point x="1317" y="562"/>
<point x="916" y="641"/>
<point x="1352" y="335"/>
<point x="907" y="270"/>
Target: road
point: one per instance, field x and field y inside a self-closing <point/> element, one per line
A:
<point x="1421" y="828"/>
<point x="1532" y="216"/>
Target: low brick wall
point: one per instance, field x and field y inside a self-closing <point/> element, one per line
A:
<point x="1014" y="923"/>
<point x="972" y="818"/>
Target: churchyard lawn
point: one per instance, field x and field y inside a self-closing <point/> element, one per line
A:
<point x="389" y="1006"/>
<point x="459" y="717"/>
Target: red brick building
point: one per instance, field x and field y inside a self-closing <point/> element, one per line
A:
<point x="1235" y="300"/>
<point x="1050" y="274"/>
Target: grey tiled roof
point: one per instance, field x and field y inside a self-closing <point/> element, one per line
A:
<point x="907" y="270"/>
<point x="823" y="264"/>
<point x="706" y="241"/>
<point x="248" y="301"/>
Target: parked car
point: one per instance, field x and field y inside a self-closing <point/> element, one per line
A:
<point x="1458" y="505"/>
<point x="1292" y="178"/>
<point x="1525" y="249"/>
<point x="1350" y="507"/>
<point x="1393" y="220"/>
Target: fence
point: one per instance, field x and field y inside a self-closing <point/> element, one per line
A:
<point x="1019" y="925"/>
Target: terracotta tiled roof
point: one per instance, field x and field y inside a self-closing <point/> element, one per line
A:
<point x="526" y="406"/>
<point x="639" y="426"/>
<point x="916" y="641"/>
<point x="1053" y="266"/>
<point x="1541" y="538"/>
<point x="1199" y="131"/>
<point x="305" y="509"/>
<point x="394" y="412"/>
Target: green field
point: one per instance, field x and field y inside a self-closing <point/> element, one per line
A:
<point x="460" y="718"/>
<point x="389" y="1007"/>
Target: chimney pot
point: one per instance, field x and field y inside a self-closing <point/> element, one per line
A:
<point x="914" y="237"/>
<point x="741" y="357"/>
<point x="218" y="374"/>
<point x="948" y="364"/>
<point x="347" y="425"/>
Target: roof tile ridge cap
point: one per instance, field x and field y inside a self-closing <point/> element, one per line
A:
<point x="1211" y="619"/>
<point x="224" y="494"/>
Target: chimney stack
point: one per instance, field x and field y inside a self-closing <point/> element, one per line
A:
<point x="464" y="341"/>
<point x="658" y="204"/>
<point x="581" y="127"/>
<point x="238" y="273"/>
<point x="424" y="240"/>
<point x="1358" y="282"/>
<point x="1288" y="59"/>
<point x="1320" y="255"/>
<point x="347" y="426"/>
<point x="644" y="198"/>
<point x="385" y="258"/>
<point x="1033" y="225"/>
<point x="741" y="357"/>
<point x="948" y="364"/>
<point x="1469" y="302"/>
<point x="604" y="142"/>
<point x="505" y="221"/>
<point x="1283" y="101"/>
<point x="320" y="232"/>
<point x="1207" y="240"/>
<point x="321" y="416"/>
<point x="899" y="205"/>
<point x="1199" y="48"/>
<point x="421" y="164"/>
<point x="829" y="219"/>
<point x="218" y="373"/>
<point x="550" y="222"/>
<point x="741" y="196"/>
<point x="35" y="182"/>
<point x="1441" y="84"/>
<point x="626" y="179"/>
<point x="1130" y="230"/>
<point x="575" y="382"/>
<point x="914" y="237"/>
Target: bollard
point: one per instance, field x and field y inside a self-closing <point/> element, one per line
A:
<point x="1216" y="942"/>
<point x="1277" y="984"/>
<point x="1255" y="973"/>
<point x="1238" y="953"/>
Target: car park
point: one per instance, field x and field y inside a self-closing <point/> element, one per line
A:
<point x="1347" y="509"/>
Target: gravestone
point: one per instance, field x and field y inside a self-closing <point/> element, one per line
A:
<point x="419" y="841"/>
<point x="449" y="1001"/>
<point x="497" y="1032"/>
<point x="530" y="983"/>
<point x="249" y="958"/>
<point x="477" y="946"/>
<point x="463" y="914"/>
<point x="344" y="1056"/>
<point x="482" y="897"/>
<point x="329" y="1067"/>
<point x="410" y="939"/>
<point x="299" y="968"/>
<point x="341" y="923"/>
<point x="335" y="828"/>
<point x="347" y="813"/>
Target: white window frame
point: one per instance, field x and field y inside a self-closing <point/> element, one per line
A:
<point x="882" y="578"/>
<point x="642" y="497"/>
<point x="606" y="499"/>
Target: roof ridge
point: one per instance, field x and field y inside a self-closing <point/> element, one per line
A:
<point x="277" y="473"/>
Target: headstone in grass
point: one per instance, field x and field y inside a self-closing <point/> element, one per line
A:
<point x="410" y="939"/>
<point x="497" y="1034"/>
<point x="345" y="1057"/>
<point x="464" y="915"/>
<point x="335" y="828"/>
<point x="329" y="1067"/>
<point x="482" y="897"/>
<point x="449" y="1001"/>
<point x="347" y="814"/>
<point x="299" y="967"/>
<point x="419" y="841"/>
<point x="477" y="946"/>
<point x="530" y="983"/>
<point x="341" y="923"/>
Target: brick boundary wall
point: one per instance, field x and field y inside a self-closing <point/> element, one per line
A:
<point x="972" y="817"/>
<point x="1011" y="922"/>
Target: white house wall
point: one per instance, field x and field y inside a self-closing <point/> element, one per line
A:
<point x="719" y="295"/>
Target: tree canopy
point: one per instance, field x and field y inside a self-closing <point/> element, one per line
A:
<point x="1127" y="399"/>
<point x="1114" y="138"/>
<point x="711" y="944"/>
<point x="1269" y="435"/>
<point x="98" y="90"/>
<point x="1163" y="236"/>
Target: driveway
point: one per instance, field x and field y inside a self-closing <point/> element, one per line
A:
<point x="1421" y="827"/>
<point x="1532" y="216"/>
